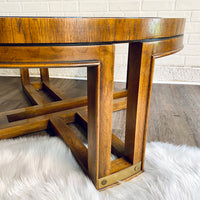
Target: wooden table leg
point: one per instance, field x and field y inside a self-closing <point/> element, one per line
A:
<point x="25" y="79"/>
<point x="93" y="90"/>
<point x="51" y="90"/>
<point x="140" y="73"/>
<point x="100" y="104"/>
<point x="106" y="104"/>
<point x="29" y="90"/>
<point x="44" y="74"/>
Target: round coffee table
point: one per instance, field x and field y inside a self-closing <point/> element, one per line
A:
<point x="28" y="42"/>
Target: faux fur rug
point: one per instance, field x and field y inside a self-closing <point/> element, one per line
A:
<point x="44" y="168"/>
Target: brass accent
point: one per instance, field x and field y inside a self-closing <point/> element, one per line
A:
<point x="119" y="176"/>
<point x="103" y="182"/>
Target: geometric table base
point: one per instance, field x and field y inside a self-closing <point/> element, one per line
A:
<point x="121" y="169"/>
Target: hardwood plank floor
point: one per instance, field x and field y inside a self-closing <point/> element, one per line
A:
<point x="174" y="111"/>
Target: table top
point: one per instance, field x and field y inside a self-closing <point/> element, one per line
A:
<point x="86" y="30"/>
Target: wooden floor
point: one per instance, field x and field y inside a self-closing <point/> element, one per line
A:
<point x="174" y="111"/>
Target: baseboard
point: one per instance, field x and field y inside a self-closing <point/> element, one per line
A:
<point x="177" y="82"/>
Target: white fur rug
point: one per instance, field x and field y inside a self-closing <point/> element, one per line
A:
<point x="44" y="168"/>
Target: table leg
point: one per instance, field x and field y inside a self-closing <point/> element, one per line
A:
<point x="140" y="67"/>
<point x="100" y="108"/>
<point x="44" y="74"/>
<point x="29" y="90"/>
<point x="93" y="90"/>
<point x="106" y="104"/>
<point x="25" y="79"/>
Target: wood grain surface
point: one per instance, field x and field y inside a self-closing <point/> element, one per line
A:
<point x="93" y="30"/>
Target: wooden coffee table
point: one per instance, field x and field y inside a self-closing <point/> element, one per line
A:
<point x="88" y="42"/>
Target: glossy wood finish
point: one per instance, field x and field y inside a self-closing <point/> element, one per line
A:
<point x="140" y="77"/>
<point x="139" y="68"/>
<point x="106" y="105"/>
<point x="57" y="42"/>
<point x="93" y="91"/>
<point x="93" y="30"/>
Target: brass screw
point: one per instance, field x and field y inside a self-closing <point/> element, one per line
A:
<point x="135" y="168"/>
<point x="104" y="182"/>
